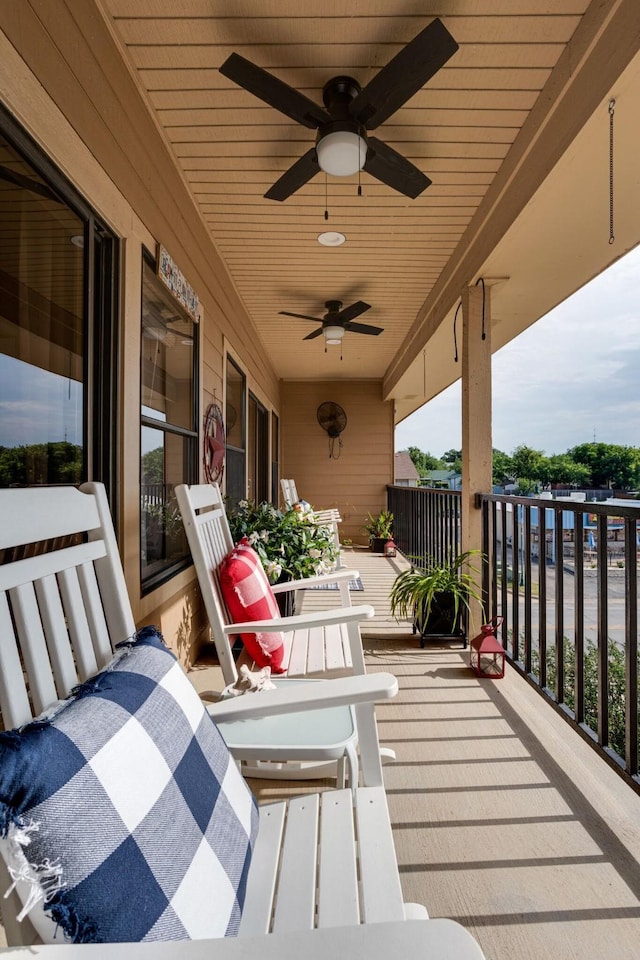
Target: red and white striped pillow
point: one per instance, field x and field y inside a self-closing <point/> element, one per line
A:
<point x="248" y="596"/>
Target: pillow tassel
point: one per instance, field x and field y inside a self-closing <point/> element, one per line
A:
<point x="44" y="880"/>
<point x="74" y="929"/>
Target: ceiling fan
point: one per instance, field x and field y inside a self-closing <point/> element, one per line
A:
<point x="342" y="144"/>
<point x="338" y="321"/>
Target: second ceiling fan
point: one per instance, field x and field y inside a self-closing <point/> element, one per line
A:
<point x="338" y="321"/>
<point x="342" y="144"/>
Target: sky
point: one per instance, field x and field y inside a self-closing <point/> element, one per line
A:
<point x="587" y="386"/>
<point x="36" y="405"/>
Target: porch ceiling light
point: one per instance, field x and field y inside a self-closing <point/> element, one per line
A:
<point x="331" y="238"/>
<point x="333" y="335"/>
<point x="341" y="153"/>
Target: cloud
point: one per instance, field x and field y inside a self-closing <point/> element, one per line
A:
<point x="571" y="376"/>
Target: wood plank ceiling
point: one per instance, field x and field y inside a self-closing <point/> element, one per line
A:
<point x="231" y="147"/>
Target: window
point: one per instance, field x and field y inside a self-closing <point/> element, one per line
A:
<point x="235" y="429"/>
<point x="169" y="434"/>
<point x="275" y="465"/>
<point x="257" y="451"/>
<point x="57" y="344"/>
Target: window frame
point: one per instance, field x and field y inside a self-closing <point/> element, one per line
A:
<point x="100" y="304"/>
<point x="151" y="582"/>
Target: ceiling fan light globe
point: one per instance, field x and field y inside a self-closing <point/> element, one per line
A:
<point x="341" y="153"/>
<point x="333" y="335"/>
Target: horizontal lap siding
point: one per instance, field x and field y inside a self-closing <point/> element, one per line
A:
<point x="356" y="482"/>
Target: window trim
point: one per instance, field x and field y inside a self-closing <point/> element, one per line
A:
<point x="100" y="430"/>
<point x="192" y="435"/>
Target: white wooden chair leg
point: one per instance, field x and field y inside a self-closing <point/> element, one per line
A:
<point x="354" y="765"/>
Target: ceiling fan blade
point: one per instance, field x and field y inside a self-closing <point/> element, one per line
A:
<point x="295" y="177"/>
<point x="386" y="164"/>
<point x="404" y="75"/>
<point x="353" y="311"/>
<point x="299" y="316"/>
<point x="312" y="336"/>
<point x="364" y="328"/>
<point x="273" y="91"/>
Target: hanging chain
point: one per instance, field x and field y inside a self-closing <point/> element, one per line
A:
<point x="612" y="107"/>
<point x="455" y="336"/>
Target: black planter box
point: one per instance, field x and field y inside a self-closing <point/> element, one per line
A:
<point x="442" y="622"/>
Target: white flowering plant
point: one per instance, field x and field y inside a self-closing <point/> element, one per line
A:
<point x="290" y="543"/>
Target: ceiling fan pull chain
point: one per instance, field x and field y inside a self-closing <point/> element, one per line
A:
<point x="359" y="184"/>
<point x="612" y="108"/>
<point x="326" y="199"/>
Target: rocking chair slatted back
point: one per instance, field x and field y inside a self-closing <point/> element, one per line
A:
<point x="50" y="604"/>
<point x="311" y="648"/>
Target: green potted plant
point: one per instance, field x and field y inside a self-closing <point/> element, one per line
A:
<point x="379" y="530"/>
<point x="290" y="543"/>
<point x="436" y="596"/>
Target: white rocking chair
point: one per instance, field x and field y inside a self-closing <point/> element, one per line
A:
<point x="329" y="517"/>
<point x="314" y="884"/>
<point x="318" y="643"/>
<point x="291" y="747"/>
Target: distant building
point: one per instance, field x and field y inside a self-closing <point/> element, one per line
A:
<point x="442" y="480"/>
<point x="404" y="471"/>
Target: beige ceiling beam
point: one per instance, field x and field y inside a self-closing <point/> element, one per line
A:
<point x="603" y="45"/>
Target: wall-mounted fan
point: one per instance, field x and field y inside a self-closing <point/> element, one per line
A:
<point x="333" y="420"/>
<point x="342" y="144"/>
<point x="337" y="317"/>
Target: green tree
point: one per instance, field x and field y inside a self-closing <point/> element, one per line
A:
<point x="453" y="460"/>
<point x="503" y="470"/>
<point x="153" y="466"/>
<point x="561" y="468"/>
<point x="528" y="463"/>
<point x="40" y="463"/>
<point x="424" y="462"/>
<point x="610" y="465"/>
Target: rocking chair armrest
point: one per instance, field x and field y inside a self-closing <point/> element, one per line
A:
<point x="334" y="577"/>
<point x="321" y="618"/>
<point x="311" y="695"/>
<point x="411" y="939"/>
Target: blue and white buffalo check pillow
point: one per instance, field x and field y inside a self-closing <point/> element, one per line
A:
<point x="122" y="815"/>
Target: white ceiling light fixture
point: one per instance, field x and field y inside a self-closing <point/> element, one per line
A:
<point x="341" y="153"/>
<point x="331" y="238"/>
<point x="333" y="334"/>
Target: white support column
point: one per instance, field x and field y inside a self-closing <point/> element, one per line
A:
<point x="476" y="418"/>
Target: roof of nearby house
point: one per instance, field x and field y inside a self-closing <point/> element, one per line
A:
<point x="440" y="474"/>
<point x="404" y="468"/>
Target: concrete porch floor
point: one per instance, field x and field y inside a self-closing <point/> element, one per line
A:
<point x="504" y="819"/>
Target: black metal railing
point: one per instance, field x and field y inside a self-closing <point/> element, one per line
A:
<point x="426" y="522"/>
<point x="563" y="575"/>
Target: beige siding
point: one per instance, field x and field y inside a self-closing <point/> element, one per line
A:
<point x="356" y="481"/>
<point x="85" y="112"/>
